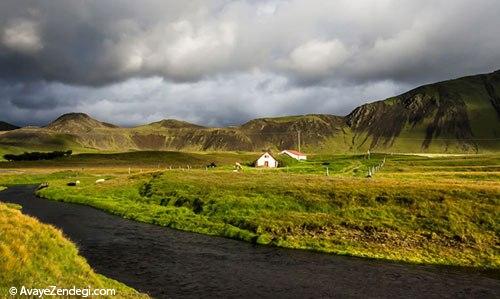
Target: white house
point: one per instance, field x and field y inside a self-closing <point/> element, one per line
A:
<point x="266" y="160"/>
<point x="294" y="154"/>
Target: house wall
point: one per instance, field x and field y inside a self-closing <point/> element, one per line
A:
<point x="261" y="162"/>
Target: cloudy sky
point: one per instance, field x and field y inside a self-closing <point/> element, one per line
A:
<point x="224" y="62"/>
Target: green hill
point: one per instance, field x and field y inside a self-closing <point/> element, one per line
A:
<point x="461" y="115"/>
<point x="455" y="116"/>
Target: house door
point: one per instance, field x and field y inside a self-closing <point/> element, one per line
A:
<point x="266" y="163"/>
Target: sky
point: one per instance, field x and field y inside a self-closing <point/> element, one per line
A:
<point x="222" y="62"/>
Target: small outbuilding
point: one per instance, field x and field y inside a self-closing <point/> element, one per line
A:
<point x="294" y="154"/>
<point x="266" y="160"/>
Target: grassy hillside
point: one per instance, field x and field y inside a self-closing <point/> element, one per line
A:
<point x="36" y="255"/>
<point x="36" y="139"/>
<point x="403" y="213"/>
<point x="455" y="116"/>
<point x="461" y="115"/>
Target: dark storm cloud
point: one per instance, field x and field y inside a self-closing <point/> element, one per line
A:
<point x="221" y="101"/>
<point x="34" y="102"/>
<point x="220" y="62"/>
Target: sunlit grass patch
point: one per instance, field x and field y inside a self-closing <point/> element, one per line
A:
<point x="36" y="255"/>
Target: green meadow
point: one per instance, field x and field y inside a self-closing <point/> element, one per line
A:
<point x="418" y="209"/>
<point x="35" y="255"/>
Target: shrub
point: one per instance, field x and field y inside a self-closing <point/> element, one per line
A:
<point x="284" y="161"/>
<point x="37" y="156"/>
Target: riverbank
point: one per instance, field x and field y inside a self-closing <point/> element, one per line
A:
<point x="170" y="263"/>
<point x="36" y="255"/>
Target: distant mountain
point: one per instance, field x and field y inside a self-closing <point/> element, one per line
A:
<point x="172" y="124"/>
<point x="460" y="115"/>
<point x="77" y="123"/>
<point x="7" y="127"/>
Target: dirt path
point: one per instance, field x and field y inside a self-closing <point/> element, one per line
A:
<point x="169" y="263"/>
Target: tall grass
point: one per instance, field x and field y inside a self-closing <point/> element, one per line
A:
<point x="36" y="255"/>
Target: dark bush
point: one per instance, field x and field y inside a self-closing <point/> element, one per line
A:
<point x="285" y="161"/>
<point x="405" y="201"/>
<point x="197" y="206"/>
<point x="182" y="201"/>
<point x="382" y="199"/>
<point x="363" y="200"/>
<point x="38" y="156"/>
<point x="146" y="190"/>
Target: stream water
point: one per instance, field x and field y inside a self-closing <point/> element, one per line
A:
<point x="167" y="263"/>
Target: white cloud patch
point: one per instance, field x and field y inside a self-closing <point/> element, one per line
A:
<point x="180" y="50"/>
<point x="22" y="36"/>
<point x="316" y="58"/>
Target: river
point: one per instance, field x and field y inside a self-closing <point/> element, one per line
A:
<point x="167" y="263"/>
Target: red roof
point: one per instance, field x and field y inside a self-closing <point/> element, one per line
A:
<point x="295" y="152"/>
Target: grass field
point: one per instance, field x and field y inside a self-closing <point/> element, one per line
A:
<point x="136" y="160"/>
<point x="36" y="255"/>
<point x="440" y="210"/>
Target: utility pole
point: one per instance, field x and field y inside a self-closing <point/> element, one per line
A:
<point x="298" y="139"/>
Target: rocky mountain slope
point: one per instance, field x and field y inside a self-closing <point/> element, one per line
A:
<point x="460" y="115"/>
<point x="455" y="115"/>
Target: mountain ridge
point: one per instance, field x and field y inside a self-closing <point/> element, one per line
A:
<point x="5" y="126"/>
<point x="458" y="115"/>
<point x="75" y="122"/>
<point x="172" y="123"/>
